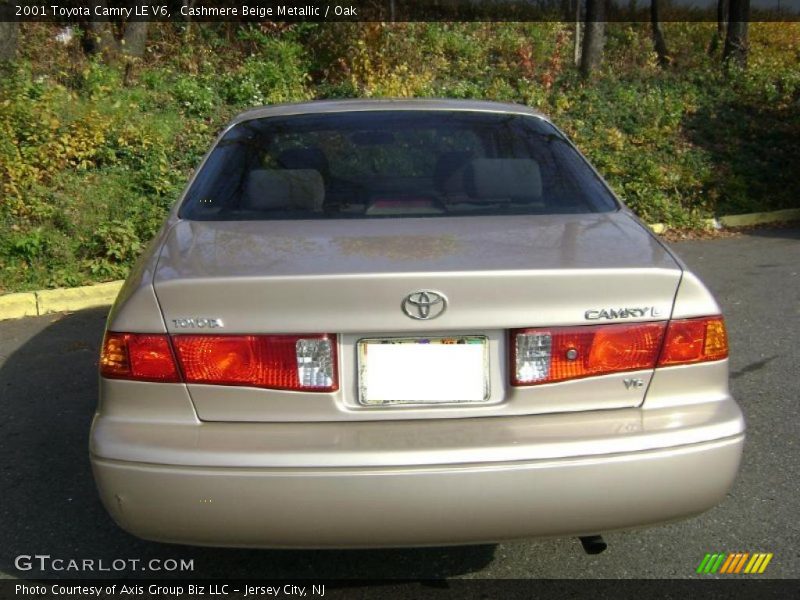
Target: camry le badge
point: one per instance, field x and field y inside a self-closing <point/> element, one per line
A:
<point x="424" y="305"/>
<point x="622" y="313"/>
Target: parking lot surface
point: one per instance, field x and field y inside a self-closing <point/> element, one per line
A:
<point x="49" y="505"/>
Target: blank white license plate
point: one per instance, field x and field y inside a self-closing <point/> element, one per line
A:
<point x="423" y="370"/>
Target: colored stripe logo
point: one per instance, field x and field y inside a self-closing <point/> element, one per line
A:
<point x="734" y="563"/>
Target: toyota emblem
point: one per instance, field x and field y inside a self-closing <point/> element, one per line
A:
<point x="424" y="305"/>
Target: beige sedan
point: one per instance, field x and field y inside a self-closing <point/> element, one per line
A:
<point x="403" y="323"/>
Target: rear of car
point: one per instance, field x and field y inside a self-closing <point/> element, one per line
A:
<point x="408" y="323"/>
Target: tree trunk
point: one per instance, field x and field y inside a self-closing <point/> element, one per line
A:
<point x="736" y="40"/>
<point x="135" y="38"/>
<point x="658" y="34"/>
<point x="593" y="37"/>
<point x="578" y="33"/>
<point x="98" y="37"/>
<point x="567" y="10"/>
<point x="133" y="46"/>
<point x="9" y="33"/>
<point x="722" y="18"/>
<point x="187" y="34"/>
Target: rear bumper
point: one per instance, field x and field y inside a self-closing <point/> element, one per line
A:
<point x="317" y="508"/>
<point x="397" y="484"/>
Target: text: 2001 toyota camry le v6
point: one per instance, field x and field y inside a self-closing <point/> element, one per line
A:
<point x="389" y="323"/>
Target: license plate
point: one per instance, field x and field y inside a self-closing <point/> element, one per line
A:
<point x="433" y="370"/>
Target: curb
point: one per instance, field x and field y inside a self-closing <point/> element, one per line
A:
<point x="789" y="214"/>
<point x="759" y="218"/>
<point x="43" y="302"/>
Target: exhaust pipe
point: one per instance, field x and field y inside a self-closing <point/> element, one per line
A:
<point x="593" y="544"/>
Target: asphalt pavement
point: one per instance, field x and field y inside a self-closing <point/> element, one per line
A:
<point x="48" y="503"/>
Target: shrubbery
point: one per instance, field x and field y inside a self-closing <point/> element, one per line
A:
<point x="92" y="156"/>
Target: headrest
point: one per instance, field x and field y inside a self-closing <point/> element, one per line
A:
<point x="504" y="178"/>
<point x="447" y="174"/>
<point x="265" y="189"/>
<point x="304" y="158"/>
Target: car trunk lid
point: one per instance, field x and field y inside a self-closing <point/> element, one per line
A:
<point x="350" y="278"/>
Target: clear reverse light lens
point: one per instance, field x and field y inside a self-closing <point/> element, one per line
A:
<point x="533" y="356"/>
<point x="314" y="363"/>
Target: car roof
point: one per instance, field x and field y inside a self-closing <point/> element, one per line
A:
<point x="335" y="106"/>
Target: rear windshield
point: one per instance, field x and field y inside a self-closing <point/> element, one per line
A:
<point x="379" y="164"/>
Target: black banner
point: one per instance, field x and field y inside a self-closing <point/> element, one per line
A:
<point x="74" y="11"/>
<point x="461" y="589"/>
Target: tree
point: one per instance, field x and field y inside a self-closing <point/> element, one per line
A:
<point x="9" y="32"/>
<point x="722" y="19"/>
<point x="578" y="32"/>
<point x="593" y="36"/>
<point x="736" y="39"/>
<point x="110" y="38"/>
<point x="658" y="34"/>
<point x="134" y="38"/>
<point x="8" y="40"/>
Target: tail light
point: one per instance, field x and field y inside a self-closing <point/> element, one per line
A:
<point x="561" y="353"/>
<point x="694" y="340"/>
<point x="286" y="362"/>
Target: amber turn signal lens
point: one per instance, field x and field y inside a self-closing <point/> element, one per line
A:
<point x="143" y="357"/>
<point x="694" y="340"/>
<point x="114" y="356"/>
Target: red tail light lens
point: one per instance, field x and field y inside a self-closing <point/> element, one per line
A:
<point x="285" y="362"/>
<point x="144" y="357"/>
<point x="561" y="353"/>
<point x="694" y="340"/>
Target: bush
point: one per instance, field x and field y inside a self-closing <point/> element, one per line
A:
<point x="275" y="73"/>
